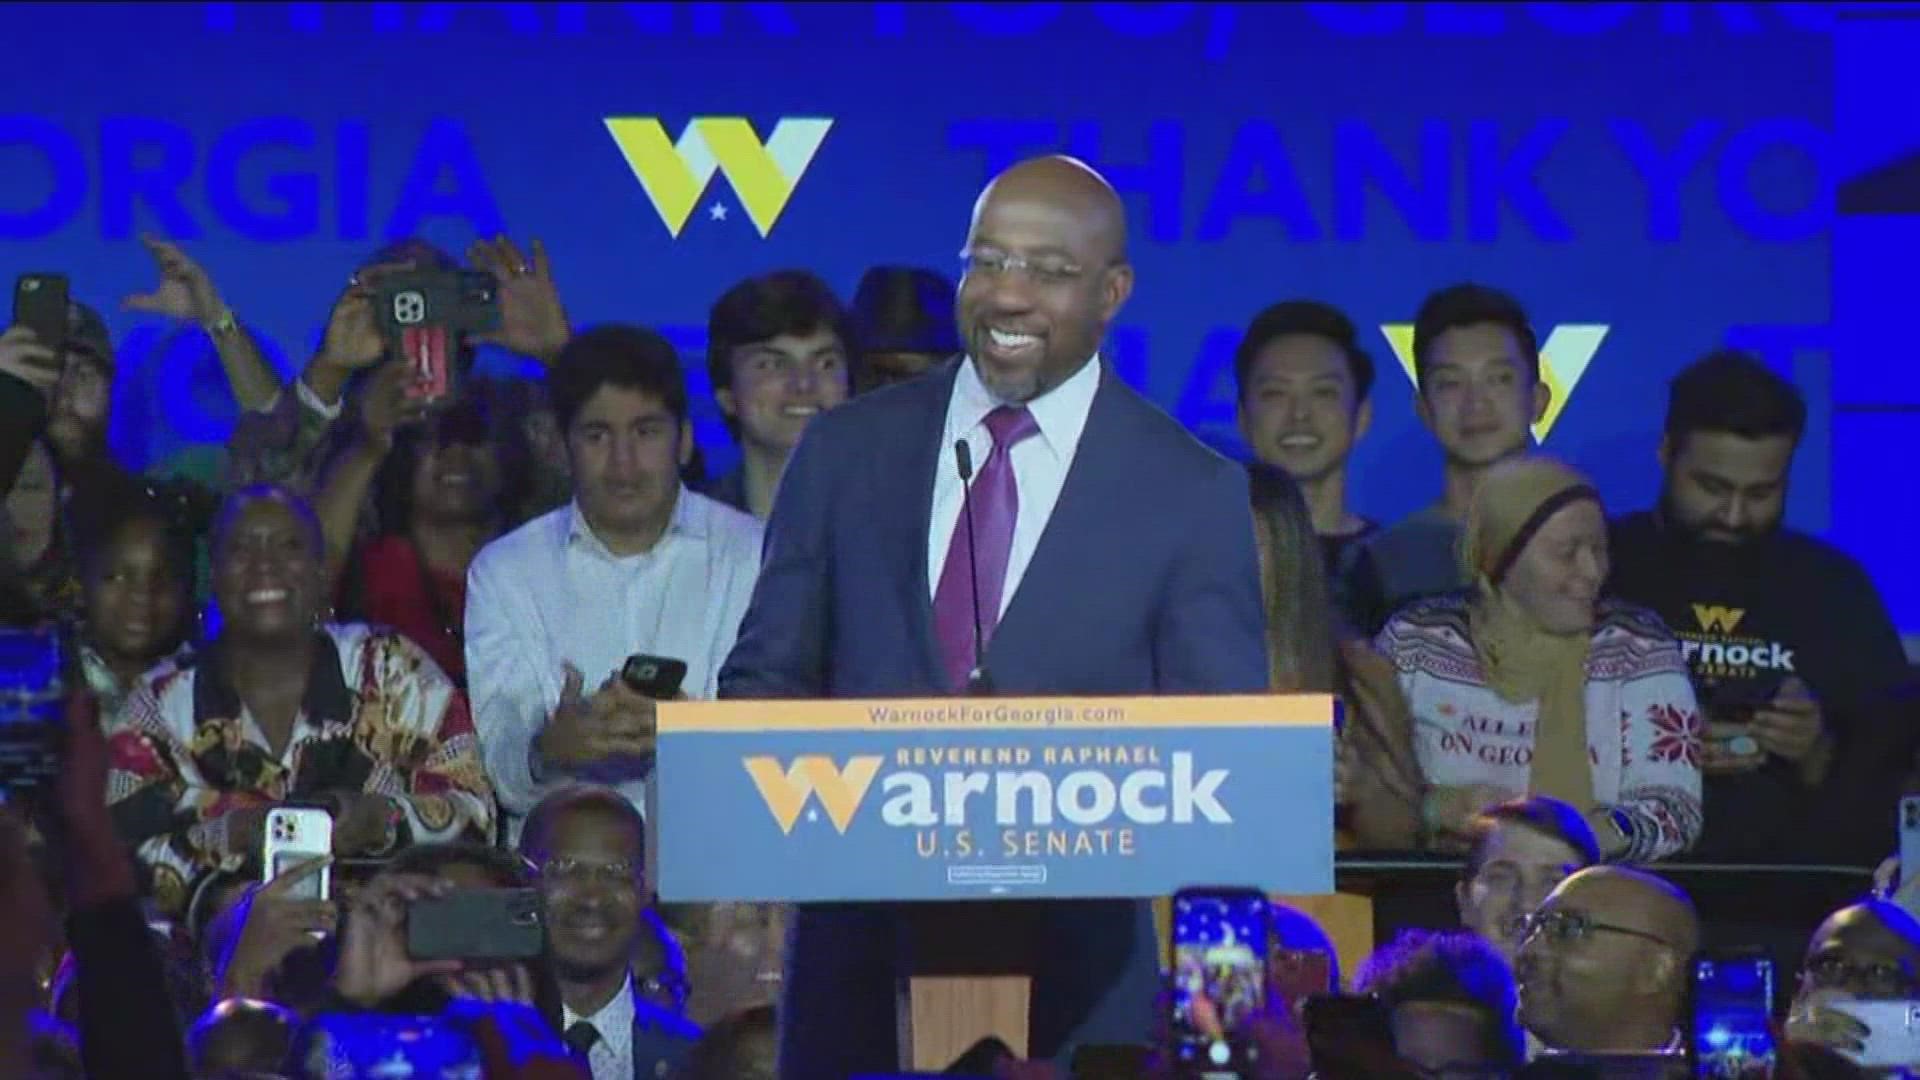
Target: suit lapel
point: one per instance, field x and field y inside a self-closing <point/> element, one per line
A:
<point x="1085" y="509"/>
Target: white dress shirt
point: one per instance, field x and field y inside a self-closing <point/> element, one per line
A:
<point x="612" y="1057"/>
<point x="1040" y="463"/>
<point x="550" y="593"/>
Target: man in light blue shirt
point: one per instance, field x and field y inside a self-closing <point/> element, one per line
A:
<point x="635" y="563"/>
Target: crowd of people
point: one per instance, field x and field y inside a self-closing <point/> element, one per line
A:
<point x="416" y="618"/>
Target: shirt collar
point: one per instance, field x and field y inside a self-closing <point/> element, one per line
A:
<point x="687" y="521"/>
<point x="1060" y="413"/>
<point x="327" y="698"/>
<point x="615" y="1015"/>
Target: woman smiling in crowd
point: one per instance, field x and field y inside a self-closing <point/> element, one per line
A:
<point x="283" y="707"/>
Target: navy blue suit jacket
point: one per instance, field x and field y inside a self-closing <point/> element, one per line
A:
<point x="662" y="1040"/>
<point x="1145" y="581"/>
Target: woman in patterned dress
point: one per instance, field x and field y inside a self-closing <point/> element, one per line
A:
<point x="282" y="708"/>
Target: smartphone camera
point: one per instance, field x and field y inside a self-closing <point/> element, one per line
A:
<point x="1220" y="947"/>
<point x="32" y="701"/>
<point x="1732" y="1005"/>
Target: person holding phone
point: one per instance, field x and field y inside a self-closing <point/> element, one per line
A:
<point x="283" y="706"/>
<point x="636" y="564"/>
<point x="1866" y="952"/>
<point x="1787" y="636"/>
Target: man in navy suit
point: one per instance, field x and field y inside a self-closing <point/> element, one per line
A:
<point x="1114" y="554"/>
<point x="587" y="844"/>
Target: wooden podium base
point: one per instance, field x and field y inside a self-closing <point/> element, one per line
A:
<point x="947" y="1014"/>
<point x="970" y="977"/>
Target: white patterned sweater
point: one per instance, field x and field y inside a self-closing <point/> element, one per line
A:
<point x="1643" y="725"/>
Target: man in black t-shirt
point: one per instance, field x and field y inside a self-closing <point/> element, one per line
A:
<point x="1792" y="652"/>
<point x="1303" y="383"/>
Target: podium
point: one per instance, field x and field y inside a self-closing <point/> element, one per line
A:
<point x="961" y="813"/>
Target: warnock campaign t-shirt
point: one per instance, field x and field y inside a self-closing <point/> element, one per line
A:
<point x="1750" y="615"/>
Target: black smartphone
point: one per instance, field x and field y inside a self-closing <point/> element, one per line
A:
<point x="1343" y="1030"/>
<point x="424" y="315"/>
<point x="1734" y="701"/>
<point x="32" y="707"/>
<point x="40" y="303"/>
<point x="1220" y="942"/>
<point x="657" y="677"/>
<point x="1731" y="1004"/>
<point x="477" y="924"/>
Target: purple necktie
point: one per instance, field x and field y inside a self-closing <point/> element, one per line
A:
<point x="983" y="550"/>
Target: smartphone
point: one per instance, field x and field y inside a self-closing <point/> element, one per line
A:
<point x="385" y="1044"/>
<point x="657" y="677"/>
<point x="1220" y="943"/>
<point x="1337" y="1025"/>
<point x="1735" y="702"/>
<point x="295" y="834"/>
<point x="1893" y="1032"/>
<point x="477" y="924"/>
<point x="40" y="303"/>
<point x="1909" y="837"/>
<point x="424" y="315"/>
<point x="32" y="708"/>
<point x="1298" y="974"/>
<point x="1731" y="1004"/>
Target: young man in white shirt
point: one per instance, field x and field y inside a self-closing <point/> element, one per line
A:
<point x="635" y="564"/>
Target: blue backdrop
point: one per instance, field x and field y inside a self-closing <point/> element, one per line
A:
<point x="1666" y="172"/>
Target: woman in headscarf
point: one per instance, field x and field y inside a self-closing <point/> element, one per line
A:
<point x="1376" y="779"/>
<point x="1529" y="683"/>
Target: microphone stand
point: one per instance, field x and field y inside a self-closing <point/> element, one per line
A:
<point x="978" y="682"/>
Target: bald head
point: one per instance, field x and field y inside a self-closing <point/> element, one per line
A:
<point x="1870" y="950"/>
<point x="1069" y="184"/>
<point x="1046" y="273"/>
<point x="1637" y="900"/>
<point x="1607" y="965"/>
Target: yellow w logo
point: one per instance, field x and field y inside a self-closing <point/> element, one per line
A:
<point x="676" y="174"/>
<point x="1563" y="360"/>
<point x="1716" y="619"/>
<point x="786" y="792"/>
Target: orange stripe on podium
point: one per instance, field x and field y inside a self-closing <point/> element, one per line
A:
<point x="978" y="715"/>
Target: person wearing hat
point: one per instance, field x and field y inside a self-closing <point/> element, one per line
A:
<point x="66" y="474"/>
<point x="1528" y="683"/>
<point x="903" y="320"/>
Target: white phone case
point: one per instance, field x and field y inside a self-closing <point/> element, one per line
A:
<point x="1893" y="1027"/>
<point x="295" y="834"/>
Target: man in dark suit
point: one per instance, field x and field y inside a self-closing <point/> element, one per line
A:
<point x="1114" y="555"/>
<point x="586" y="842"/>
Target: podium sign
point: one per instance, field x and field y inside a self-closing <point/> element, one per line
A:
<point x="994" y="798"/>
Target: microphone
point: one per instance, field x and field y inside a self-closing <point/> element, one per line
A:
<point x="963" y="457"/>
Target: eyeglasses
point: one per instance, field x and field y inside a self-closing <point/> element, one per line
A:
<point x="1882" y="980"/>
<point x="1042" y="270"/>
<point x="572" y="872"/>
<point x="1566" y="927"/>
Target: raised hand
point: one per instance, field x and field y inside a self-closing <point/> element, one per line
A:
<point x="185" y="291"/>
<point x="353" y="337"/>
<point x="274" y="923"/>
<point x="25" y="358"/>
<point x="532" y="320"/>
<point x="374" y="964"/>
